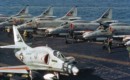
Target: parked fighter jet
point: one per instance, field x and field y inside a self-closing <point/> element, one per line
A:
<point x="100" y="32"/>
<point x="70" y="16"/>
<point x="79" y="27"/>
<point x="115" y="30"/>
<point x="83" y="26"/>
<point x="32" y="25"/>
<point x="22" y="12"/>
<point x="46" y="15"/>
<point x="113" y="33"/>
<point x="49" y="24"/>
<point x="17" y="19"/>
<point x="23" y="15"/>
<point x="41" y="58"/>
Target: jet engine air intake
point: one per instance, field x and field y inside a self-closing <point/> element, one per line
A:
<point x="70" y="68"/>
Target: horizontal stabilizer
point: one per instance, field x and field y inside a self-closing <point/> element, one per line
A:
<point x="14" y="69"/>
<point x="11" y="47"/>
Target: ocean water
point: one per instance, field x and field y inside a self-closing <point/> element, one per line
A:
<point x="87" y="9"/>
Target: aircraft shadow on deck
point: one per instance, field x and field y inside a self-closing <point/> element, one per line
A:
<point x="84" y="74"/>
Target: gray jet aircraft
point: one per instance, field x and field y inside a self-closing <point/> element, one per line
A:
<point x="21" y="12"/>
<point x="114" y="33"/>
<point x="114" y="30"/>
<point x="80" y="26"/>
<point x="17" y="19"/>
<point x="50" y="24"/>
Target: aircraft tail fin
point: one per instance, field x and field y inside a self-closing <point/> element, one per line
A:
<point x="106" y="17"/>
<point x="72" y="12"/>
<point x="48" y="12"/>
<point x="71" y="15"/>
<point x="18" y="40"/>
<point x="107" y="14"/>
<point x="23" y="11"/>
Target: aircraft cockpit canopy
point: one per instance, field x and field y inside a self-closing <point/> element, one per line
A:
<point x="59" y="55"/>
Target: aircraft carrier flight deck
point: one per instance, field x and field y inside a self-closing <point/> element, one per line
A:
<point x="94" y="62"/>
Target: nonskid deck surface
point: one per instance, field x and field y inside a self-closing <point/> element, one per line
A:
<point x="94" y="63"/>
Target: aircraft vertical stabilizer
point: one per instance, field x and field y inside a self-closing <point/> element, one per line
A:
<point x="72" y="12"/>
<point x="71" y="15"/>
<point x="48" y="12"/>
<point x="23" y="11"/>
<point x="18" y="40"/>
<point x="107" y="14"/>
<point x="106" y="17"/>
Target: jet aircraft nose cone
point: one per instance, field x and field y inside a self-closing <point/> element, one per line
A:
<point x="75" y="70"/>
<point x="17" y="54"/>
<point x="127" y="43"/>
<point x="86" y="35"/>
